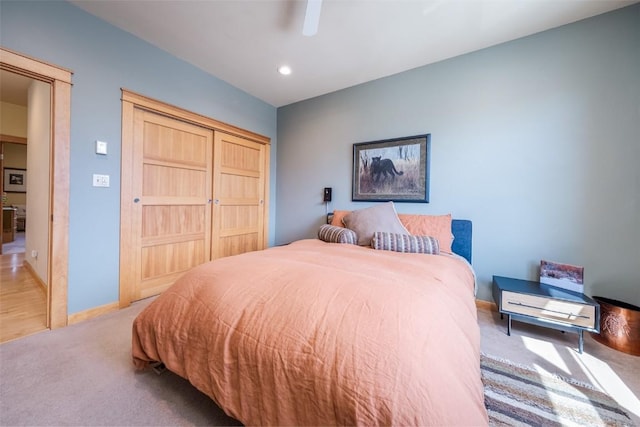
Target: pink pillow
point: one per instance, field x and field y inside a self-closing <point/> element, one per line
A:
<point x="438" y="226"/>
<point x="337" y="218"/>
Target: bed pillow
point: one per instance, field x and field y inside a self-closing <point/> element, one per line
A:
<point x="366" y="221"/>
<point x="333" y="234"/>
<point x="438" y="226"/>
<point x="405" y="243"/>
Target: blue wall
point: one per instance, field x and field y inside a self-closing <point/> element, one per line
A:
<point x="105" y="59"/>
<point x="536" y="140"/>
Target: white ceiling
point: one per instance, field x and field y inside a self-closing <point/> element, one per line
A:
<point x="14" y="88"/>
<point x="243" y="42"/>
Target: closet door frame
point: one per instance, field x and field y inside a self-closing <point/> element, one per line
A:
<point x="130" y="102"/>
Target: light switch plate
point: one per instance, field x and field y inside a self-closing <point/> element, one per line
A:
<point x="101" y="147"/>
<point x="100" y="180"/>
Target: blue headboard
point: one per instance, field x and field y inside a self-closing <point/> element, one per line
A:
<point x="462" y="231"/>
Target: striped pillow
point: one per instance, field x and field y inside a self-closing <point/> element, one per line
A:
<point x="405" y="243"/>
<point x="332" y="234"/>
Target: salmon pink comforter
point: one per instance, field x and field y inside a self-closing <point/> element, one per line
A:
<point x="317" y="333"/>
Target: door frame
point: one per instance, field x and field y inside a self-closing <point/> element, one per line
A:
<point x="60" y="140"/>
<point x="130" y="102"/>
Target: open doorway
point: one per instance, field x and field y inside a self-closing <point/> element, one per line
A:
<point x="25" y="138"/>
<point x="14" y="196"/>
<point x="47" y="217"/>
<point x="14" y="94"/>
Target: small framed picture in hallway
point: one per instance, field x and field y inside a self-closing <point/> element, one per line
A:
<point x="15" y="180"/>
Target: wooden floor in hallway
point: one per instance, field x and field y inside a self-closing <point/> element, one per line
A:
<point x="23" y="301"/>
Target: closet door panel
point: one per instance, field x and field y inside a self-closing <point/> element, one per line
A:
<point x="171" y="210"/>
<point x="238" y="244"/>
<point x="239" y="195"/>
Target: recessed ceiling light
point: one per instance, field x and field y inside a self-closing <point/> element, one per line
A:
<point x="285" y="70"/>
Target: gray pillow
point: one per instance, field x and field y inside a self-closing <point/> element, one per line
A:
<point x="367" y="221"/>
<point x="332" y="234"/>
<point x="405" y="243"/>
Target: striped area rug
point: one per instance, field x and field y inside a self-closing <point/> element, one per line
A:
<point x="520" y="396"/>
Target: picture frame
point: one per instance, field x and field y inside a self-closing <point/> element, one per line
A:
<point x="394" y="170"/>
<point x="15" y="180"/>
<point x="560" y="275"/>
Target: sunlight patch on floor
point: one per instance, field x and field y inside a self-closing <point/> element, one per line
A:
<point x="554" y="363"/>
<point x="582" y="406"/>
<point x="547" y="351"/>
<point x="601" y="375"/>
<point x="598" y="373"/>
<point x="592" y="374"/>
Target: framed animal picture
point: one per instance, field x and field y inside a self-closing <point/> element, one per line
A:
<point x="392" y="170"/>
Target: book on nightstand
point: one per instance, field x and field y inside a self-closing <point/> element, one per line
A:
<point x="565" y="276"/>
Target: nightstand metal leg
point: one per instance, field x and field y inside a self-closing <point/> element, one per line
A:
<point x="509" y="325"/>
<point x="581" y="341"/>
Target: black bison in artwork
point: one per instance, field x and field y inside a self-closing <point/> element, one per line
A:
<point x="382" y="167"/>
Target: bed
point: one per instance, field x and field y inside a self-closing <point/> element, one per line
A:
<point x="322" y="333"/>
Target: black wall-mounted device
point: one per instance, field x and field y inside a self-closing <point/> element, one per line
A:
<point x="327" y="194"/>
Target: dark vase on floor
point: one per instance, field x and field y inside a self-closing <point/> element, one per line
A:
<point x="619" y="326"/>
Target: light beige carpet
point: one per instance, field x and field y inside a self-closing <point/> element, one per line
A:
<point x="82" y="375"/>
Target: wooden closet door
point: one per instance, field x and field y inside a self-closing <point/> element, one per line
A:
<point x="171" y="206"/>
<point x="240" y="179"/>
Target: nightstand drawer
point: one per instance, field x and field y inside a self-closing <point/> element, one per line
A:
<point x="571" y="313"/>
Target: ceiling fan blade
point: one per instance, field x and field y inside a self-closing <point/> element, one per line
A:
<point x="312" y="17"/>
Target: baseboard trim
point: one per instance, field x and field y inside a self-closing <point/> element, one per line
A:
<point x="92" y="312"/>
<point x="34" y="274"/>
<point x="486" y="305"/>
